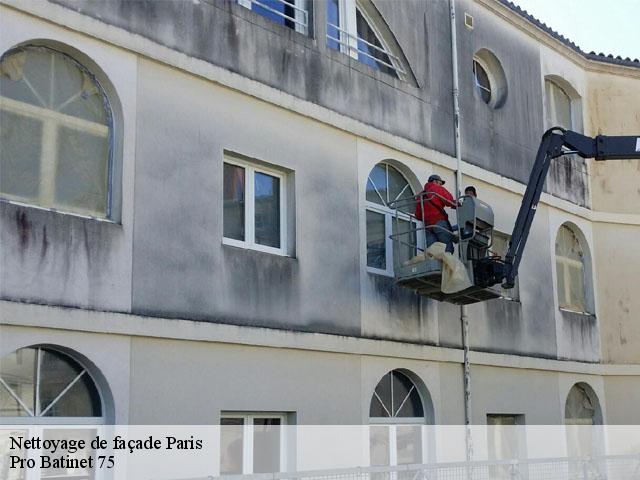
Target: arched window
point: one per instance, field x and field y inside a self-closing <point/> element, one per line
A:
<point x="558" y="106"/>
<point x="581" y="412"/>
<point x="41" y="383"/>
<point x="582" y="406"/>
<point x="56" y="133"/>
<point x="356" y="28"/>
<point x="571" y="271"/>
<point x="396" y="414"/>
<point x="40" y="387"/>
<point x="385" y="184"/>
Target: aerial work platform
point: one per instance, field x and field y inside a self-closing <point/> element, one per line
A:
<point x="472" y="276"/>
<point x="417" y="270"/>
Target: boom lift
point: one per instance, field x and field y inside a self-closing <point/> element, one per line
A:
<point x="475" y="224"/>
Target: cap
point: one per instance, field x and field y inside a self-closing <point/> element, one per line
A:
<point x="435" y="177"/>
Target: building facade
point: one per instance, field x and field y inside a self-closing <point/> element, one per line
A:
<point x="226" y="256"/>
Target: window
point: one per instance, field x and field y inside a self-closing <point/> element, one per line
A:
<point x="483" y="84"/>
<point x="489" y="78"/>
<point x="351" y="28"/>
<point x="558" y="106"/>
<point x="290" y="13"/>
<point x="500" y="245"/>
<point x="254" y="207"/>
<point x="570" y="271"/>
<point x="56" y="133"/>
<point x="396" y="415"/>
<point x="505" y="441"/>
<point x="252" y="443"/>
<point x="386" y="184"/>
<point x="40" y="386"/>
<point x="581" y="412"/>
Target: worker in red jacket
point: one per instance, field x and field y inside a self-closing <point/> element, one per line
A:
<point x="435" y="198"/>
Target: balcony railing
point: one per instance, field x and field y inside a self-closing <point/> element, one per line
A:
<point x="352" y="45"/>
<point x="299" y="18"/>
<point x="611" y="467"/>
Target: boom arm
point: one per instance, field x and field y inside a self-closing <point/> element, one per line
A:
<point x="555" y="143"/>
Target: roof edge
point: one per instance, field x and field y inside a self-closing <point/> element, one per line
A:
<point x="598" y="57"/>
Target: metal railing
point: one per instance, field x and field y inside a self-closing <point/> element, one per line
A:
<point x="355" y="48"/>
<point x="610" y="467"/>
<point x="415" y="239"/>
<point x="300" y="16"/>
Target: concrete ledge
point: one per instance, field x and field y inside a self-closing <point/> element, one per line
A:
<point x="63" y="318"/>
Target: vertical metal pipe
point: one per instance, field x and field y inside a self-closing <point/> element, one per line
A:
<point x="463" y="312"/>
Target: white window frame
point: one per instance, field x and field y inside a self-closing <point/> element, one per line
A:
<point x="300" y="7"/>
<point x="564" y="303"/>
<point x="389" y="215"/>
<point x="552" y="108"/>
<point x="250" y="170"/>
<point x="393" y="424"/>
<point x="247" y="437"/>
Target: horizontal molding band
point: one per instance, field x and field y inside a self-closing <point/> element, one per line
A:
<point x="91" y="321"/>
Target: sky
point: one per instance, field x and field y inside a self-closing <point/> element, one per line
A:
<point x="607" y="26"/>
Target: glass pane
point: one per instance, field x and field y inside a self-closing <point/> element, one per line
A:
<point x="379" y="445"/>
<point x="378" y="179"/>
<point x="407" y="243"/>
<point x="579" y="408"/>
<point x="81" y="400"/>
<point x="18" y="371"/>
<point x="376" y="240"/>
<point x="482" y="82"/>
<point x="381" y="400"/>
<point x="12" y="84"/>
<point x="57" y="371"/>
<point x="82" y="171"/>
<point x="560" y="106"/>
<point x="7" y="473"/>
<point x="37" y="74"/>
<point x="282" y="7"/>
<point x="562" y="293"/>
<point x="333" y="18"/>
<point x="366" y="53"/>
<point x="231" y="435"/>
<point x="21" y="140"/>
<point x="233" y="199"/>
<point x="71" y="434"/>
<point x="409" y="443"/>
<point x="576" y="287"/>
<point x="266" y="445"/>
<point x="406" y="399"/>
<point x="398" y="185"/>
<point x="267" y="210"/>
<point x="503" y="439"/>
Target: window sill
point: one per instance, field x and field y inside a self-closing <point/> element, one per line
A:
<point x="575" y="312"/>
<point x="383" y="273"/>
<point x="60" y="212"/>
<point x="255" y="247"/>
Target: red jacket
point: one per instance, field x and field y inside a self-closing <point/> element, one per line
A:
<point x="433" y="204"/>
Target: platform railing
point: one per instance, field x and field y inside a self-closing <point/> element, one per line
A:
<point x="414" y="243"/>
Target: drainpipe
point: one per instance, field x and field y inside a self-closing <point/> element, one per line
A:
<point x="463" y="311"/>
